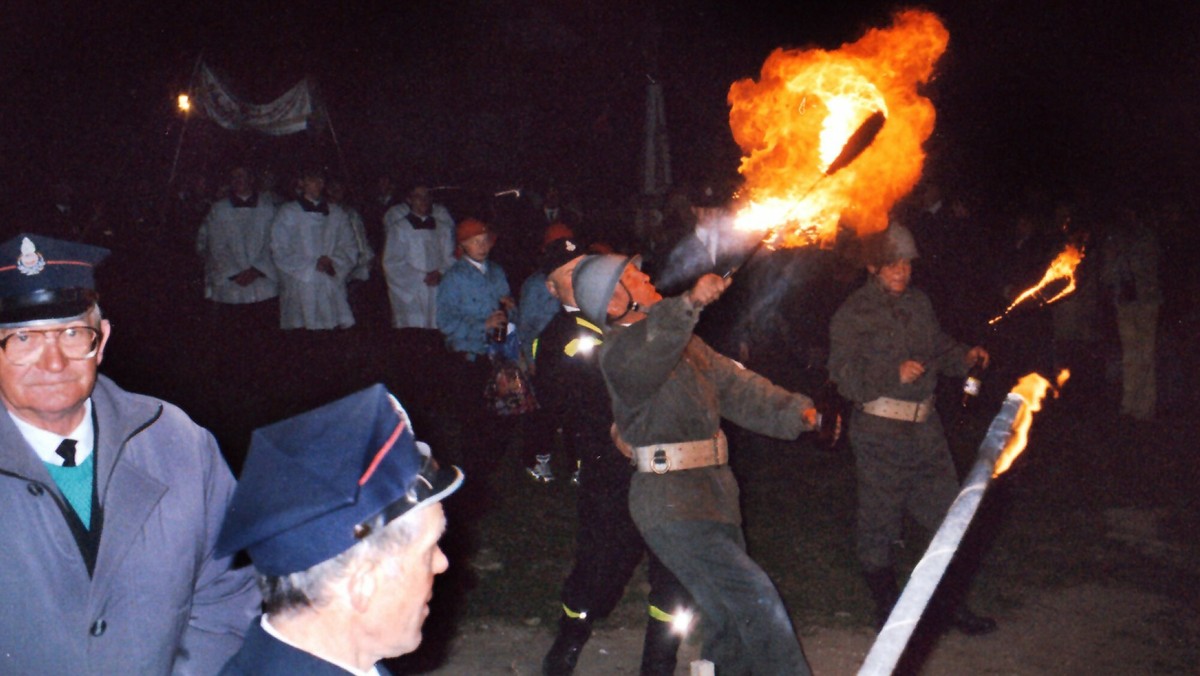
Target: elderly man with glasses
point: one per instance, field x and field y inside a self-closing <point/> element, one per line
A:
<point x="111" y="500"/>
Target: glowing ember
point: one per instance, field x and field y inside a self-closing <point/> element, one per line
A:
<point x="796" y="119"/>
<point x="1062" y="267"/>
<point x="1032" y="389"/>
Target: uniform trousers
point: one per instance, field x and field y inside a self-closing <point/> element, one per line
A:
<point x="746" y="627"/>
<point x="902" y="467"/>
<point x="608" y="546"/>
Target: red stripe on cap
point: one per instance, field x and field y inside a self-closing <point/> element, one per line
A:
<point x="6" y="268"/>
<point x="387" y="446"/>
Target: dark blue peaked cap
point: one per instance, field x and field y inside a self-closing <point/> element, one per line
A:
<point x="42" y="278"/>
<point x="311" y="483"/>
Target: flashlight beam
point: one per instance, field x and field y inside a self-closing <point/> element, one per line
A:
<point x="893" y="638"/>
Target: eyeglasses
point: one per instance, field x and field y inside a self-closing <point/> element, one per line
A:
<point x="25" y="346"/>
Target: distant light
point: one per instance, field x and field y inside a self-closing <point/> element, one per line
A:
<point x="185" y="102"/>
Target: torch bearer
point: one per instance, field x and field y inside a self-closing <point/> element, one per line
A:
<point x="859" y="141"/>
<point x="1005" y="438"/>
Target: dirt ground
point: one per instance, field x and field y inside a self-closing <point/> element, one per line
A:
<point x="1089" y="629"/>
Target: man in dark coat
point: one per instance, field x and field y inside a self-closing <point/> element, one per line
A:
<point x="339" y="509"/>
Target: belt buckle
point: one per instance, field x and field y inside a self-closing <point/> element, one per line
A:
<point x="659" y="463"/>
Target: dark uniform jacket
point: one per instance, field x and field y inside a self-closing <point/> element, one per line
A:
<point x="265" y="655"/>
<point x="668" y="386"/>
<point x="572" y="387"/>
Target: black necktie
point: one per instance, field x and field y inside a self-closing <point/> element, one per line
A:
<point x="66" y="450"/>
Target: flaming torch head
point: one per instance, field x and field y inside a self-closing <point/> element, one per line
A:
<point x="816" y="149"/>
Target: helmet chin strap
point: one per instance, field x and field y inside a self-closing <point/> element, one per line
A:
<point x="633" y="306"/>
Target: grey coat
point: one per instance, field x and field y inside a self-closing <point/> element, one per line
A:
<point x="158" y="602"/>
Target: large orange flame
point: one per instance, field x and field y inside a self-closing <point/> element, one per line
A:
<point x="1032" y="388"/>
<point x="1062" y="267"/>
<point x="795" y="120"/>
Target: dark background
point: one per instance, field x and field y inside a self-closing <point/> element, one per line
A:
<point x="1060" y="96"/>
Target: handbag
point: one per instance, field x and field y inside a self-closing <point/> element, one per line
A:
<point x="509" y="390"/>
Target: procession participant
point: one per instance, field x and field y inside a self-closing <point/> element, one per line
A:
<point x="473" y="307"/>
<point x="339" y="509"/>
<point x="314" y="248"/>
<point x="1130" y="270"/>
<point x="886" y="351"/>
<point x="419" y="249"/>
<point x="669" y="391"/>
<point x="536" y="308"/>
<point x="111" y="500"/>
<point x="608" y="546"/>
<point x="235" y="241"/>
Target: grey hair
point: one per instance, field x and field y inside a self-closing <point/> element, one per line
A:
<point x="310" y="588"/>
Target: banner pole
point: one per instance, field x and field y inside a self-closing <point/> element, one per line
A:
<point x="187" y="115"/>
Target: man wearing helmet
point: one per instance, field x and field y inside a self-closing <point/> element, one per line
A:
<point x="669" y="392"/>
<point x="886" y="351"/>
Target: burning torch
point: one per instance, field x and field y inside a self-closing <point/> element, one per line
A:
<point x="859" y="141"/>
<point x="1005" y="439"/>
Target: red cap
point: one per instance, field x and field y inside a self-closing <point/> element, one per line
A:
<point x="557" y="230"/>
<point x="469" y="228"/>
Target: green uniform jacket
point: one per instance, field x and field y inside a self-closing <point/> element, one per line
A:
<point x="874" y="332"/>
<point x="668" y="386"/>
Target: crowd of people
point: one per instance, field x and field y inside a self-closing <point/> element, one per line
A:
<point x="339" y="508"/>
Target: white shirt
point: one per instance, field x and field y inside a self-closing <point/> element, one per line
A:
<point x="44" y="443"/>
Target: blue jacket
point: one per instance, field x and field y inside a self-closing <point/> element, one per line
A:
<point x="265" y="655"/>
<point x="158" y="601"/>
<point x="537" y="308"/>
<point x="465" y="299"/>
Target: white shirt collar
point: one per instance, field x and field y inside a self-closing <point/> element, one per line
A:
<point x="266" y="625"/>
<point x="482" y="267"/>
<point x="44" y="443"/>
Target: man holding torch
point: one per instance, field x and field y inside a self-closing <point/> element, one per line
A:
<point x="669" y="391"/>
<point x="886" y="351"/>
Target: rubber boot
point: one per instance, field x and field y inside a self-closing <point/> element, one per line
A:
<point x="659" y="648"/>
<point x="573" y="634"/>
<point x="882" y="583"/>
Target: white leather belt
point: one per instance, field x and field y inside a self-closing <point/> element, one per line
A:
<point x="898" y="409"/>
<point x="663" y="458"/>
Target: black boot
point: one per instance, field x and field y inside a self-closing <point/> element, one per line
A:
<point x="659" y="649"/>
<point x="572" y="635"/>
<point x="882" y="583"/>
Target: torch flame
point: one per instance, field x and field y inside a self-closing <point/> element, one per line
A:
<point x="793" y="122"/>
<point x="1062" y="267"/>
<point x="1031" y="388"/>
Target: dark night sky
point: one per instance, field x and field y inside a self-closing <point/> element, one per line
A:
<point x="1053" y="94"/>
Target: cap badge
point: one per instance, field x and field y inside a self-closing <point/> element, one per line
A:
<point x="30" y="262"/>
